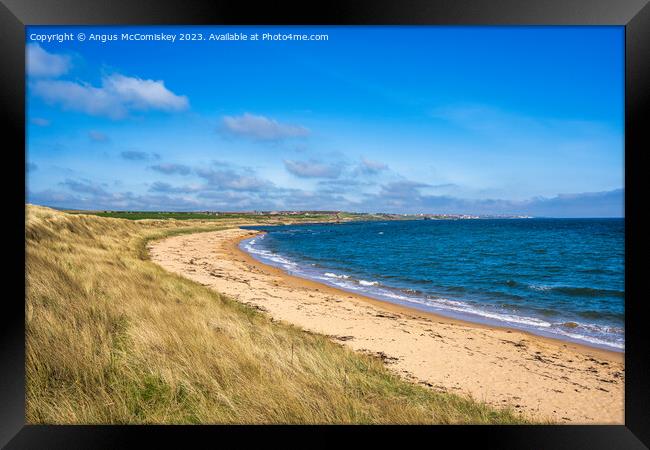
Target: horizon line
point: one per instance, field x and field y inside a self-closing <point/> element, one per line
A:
<point x="323" y="211"/>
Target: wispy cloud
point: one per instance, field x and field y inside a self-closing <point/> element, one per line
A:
<point x="313" y="169"/>
<point x="218" y="178"/>
<point x="343" y="185"/>
<point x="117" y="201"/>
<point x="135" y="155"/>
<point x="408" y="197"/>
<point x="84" y="187"/>
<point x="587" y="204"/>
<point x="370" y="167"/>
<point x="40" y="122"/>
<point x="260" y="128"/>
<point x="229" y="179"/>
<point x="172" y="169"/>
<point x="97" y="136"/>
<point x="227" y="190"/>
<point x="117" y="95"/>
<point x="160" y="186"/>
<point x="40" y="63"/>
<point x="508" y="126"/>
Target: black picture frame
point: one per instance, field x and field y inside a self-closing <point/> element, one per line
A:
<point x="634" y="15"/>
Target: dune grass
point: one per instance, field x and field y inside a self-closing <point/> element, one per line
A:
<point x="114" y="338"/>
<point x="141" y="215"/>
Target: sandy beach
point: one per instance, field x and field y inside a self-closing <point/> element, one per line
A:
<point x="543" y="378"/>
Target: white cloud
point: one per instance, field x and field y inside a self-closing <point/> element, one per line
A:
<point x="261" y="128"/>
<point x="40" y="63"/>
<point x="144" y="94"/>
<point x="117" y="95"/>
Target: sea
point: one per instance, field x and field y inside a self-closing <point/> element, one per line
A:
<point x="561" y="278"/>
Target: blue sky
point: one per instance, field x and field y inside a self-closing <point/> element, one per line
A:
<point x="486" y="120"/>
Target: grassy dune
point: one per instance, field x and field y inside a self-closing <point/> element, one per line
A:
<point x="113" y="338"/>
<point x="140" y="215"/>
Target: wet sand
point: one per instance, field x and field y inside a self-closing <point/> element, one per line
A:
<point x="543" y="378"/>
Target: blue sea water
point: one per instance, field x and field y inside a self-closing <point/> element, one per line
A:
<point x="555" y="277"/>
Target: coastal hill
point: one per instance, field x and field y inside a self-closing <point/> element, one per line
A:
<point x="114" y="338"/>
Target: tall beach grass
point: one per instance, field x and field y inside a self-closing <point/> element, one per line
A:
<point x="114" y="338"/>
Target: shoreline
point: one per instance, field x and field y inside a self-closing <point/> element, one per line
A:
<point x="611" y="355"/>
<point x="540" y="377"/>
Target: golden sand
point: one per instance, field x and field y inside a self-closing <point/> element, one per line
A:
<point x="545" y="379"/>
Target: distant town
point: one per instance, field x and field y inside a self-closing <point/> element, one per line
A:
<point x="391" y="216"/>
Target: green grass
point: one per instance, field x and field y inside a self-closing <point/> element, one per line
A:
<point x="142" y="215"/>
<point x="162" y="215"/>
<point x="113" y="338"/>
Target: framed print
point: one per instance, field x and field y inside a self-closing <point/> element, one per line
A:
<point x="366" y="213"/>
